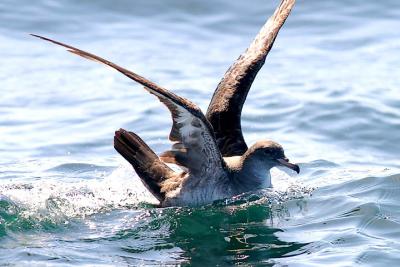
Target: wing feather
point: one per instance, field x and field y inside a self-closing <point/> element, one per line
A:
<point x="195" y="146"/>
<point x="224" y="111"/>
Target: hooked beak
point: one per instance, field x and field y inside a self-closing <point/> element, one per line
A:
<point x="285" y="162"/>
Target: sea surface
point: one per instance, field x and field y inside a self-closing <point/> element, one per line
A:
<point x="329" y="93"/>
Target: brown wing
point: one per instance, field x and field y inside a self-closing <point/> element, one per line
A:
<point x="225" y="108"/>
<point x="150" y="169"/>
<point x="195" y="146"/>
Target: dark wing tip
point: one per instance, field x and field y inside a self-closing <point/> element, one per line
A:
<point x="49" y="40"/>
<point x="35" y="35"/>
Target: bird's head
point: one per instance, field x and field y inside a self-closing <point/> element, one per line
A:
<point x="269" y="154"/>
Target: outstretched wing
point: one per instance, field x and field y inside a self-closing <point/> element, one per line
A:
<point x="195" y="147"/>
<point x="225" y="108"/>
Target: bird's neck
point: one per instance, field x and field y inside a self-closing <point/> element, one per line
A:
<point x="254" y="174"/>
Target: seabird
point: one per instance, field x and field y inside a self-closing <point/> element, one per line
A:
<point x="216" y="162"/>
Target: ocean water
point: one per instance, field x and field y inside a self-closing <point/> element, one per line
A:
<point x="329" y="93"/>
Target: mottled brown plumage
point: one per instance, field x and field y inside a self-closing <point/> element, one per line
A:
<point x="197" y="147"/>
<point x="144" y="161"/>
<point x="224" y="111"/>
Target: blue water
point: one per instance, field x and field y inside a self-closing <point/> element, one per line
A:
<point x="329" y="93"/>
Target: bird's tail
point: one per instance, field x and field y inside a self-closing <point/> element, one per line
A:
<point x="151" y="170"/>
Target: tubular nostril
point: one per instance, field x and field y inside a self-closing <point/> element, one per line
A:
<point x="119" y="132"/>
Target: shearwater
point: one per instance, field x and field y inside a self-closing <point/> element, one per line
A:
<point x="210" y="149"/>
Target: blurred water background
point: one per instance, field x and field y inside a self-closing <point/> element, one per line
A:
<point x="329" y="92"/>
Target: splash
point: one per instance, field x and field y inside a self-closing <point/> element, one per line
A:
<point x="59" y="198"/>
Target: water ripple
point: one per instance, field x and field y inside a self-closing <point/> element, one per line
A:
<point x="328" y="92"/>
